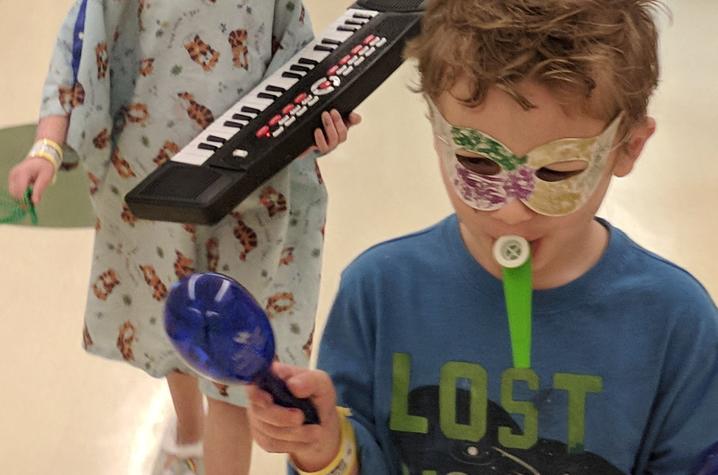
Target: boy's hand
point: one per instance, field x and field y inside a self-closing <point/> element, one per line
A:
<point x="33" y="171"/>
<point x="280" y="430"/>
<point x="335" y="131"/>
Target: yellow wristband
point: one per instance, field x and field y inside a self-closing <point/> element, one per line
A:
<point x="52" y="144"/>
<point x="346" y="459"/>
<point x="49" y="150"/>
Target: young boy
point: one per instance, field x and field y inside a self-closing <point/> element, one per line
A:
<point x="535" y="106"/>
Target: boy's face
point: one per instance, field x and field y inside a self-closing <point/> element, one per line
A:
<point x="502" y="177"/>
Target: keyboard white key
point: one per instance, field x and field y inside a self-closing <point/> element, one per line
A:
<point x="317" y="56"/>
<point x="284" y="83"/>
<point x="192" y="156"/>
<point x="257" y="103"/>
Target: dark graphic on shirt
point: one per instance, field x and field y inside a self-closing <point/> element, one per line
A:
<point x="433" y="453"/>
<point x="454" y="428"/>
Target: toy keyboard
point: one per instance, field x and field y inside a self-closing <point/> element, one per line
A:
<point x="275" y="122"/>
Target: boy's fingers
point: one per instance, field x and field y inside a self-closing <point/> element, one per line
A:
<point x="316" y="385"/>
<point x="18" y="182"/>
<point x="354" y="119"/>
<point x="294" y="433"/>
<point x="278" y="417"/>
<point x="339" y="125"/>
<point x="285" y="371"/>
<point x="321" y="141"/>
<point x="258" y="398"/>
<point x="41" y="182"/>
<point x="330" y="129"/>
<point x="21" y="178"/>
<point x="274" y="445"/>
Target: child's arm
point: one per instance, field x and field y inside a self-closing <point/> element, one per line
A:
<point x="35" y="171"/>
<point x="54" y="118"/>
<point x="346" y="355"/>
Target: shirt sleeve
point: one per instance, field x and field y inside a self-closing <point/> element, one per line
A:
<point x="346" y="352"/>
<point x="59" y="80"/>
<point x="685" y="413"/>
<point x="291" y="31"/>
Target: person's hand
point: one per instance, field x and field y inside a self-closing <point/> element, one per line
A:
<point x="335" y="131"/>
<point x="279" y="429"/>
<point x="33" y="171"/>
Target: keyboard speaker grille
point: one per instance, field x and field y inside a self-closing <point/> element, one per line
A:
<point x="184" y="183"/>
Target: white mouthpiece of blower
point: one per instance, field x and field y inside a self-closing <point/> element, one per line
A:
<point x="511" y="251"/>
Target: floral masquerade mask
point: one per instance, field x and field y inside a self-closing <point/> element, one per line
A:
<point x="487" y="174"/>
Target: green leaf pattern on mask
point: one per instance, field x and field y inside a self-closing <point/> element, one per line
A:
<point x="474" y="141"/>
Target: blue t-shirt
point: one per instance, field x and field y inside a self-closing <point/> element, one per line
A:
<point x="624" y="375"/>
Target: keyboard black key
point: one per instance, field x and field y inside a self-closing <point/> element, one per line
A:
<point x="234" y="125"/>
<point x="273" y="88"/>
<point x="210" y="147"/>
<point x="329" y="41"/>
<point x="298" y="68"/>
<point x="355" y="22"/>
<point x="266" y="95"/>
<point x="241" y="117"/>
<point x="350" y="28"/>
<point x="309" y="62"/>
<point x="363" y="16"/>
<point x="214" y="138"/>
<point x="291" y="75"/>
<point x="324" y="48"/>
<point x="251" y="110"/>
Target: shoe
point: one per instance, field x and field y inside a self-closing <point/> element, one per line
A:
<point x="175" y="459"/>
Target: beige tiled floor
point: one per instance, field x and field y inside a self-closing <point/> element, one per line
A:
<point x="67" y="413"/>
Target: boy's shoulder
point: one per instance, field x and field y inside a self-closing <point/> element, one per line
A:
<point x="426" y="247"/>
<point x="641" y="274"/>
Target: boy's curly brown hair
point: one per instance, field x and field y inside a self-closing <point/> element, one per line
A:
<point x="601" y="54"/>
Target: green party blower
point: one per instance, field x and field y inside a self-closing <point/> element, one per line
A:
<point x="513" y="253"/>
<point x="13" y="211"/>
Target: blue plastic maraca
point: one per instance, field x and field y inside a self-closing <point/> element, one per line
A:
<point x="221" y="332"/>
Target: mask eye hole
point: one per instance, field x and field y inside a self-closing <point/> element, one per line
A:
<point x="560" y="171"/>
<point x="479" y="164"/>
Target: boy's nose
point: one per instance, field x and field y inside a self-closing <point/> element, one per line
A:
<point x="513" y="212"/>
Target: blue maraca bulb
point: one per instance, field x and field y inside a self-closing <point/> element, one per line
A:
<point x="218" y="328"/>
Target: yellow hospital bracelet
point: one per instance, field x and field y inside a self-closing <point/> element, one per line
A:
<point x="48" y="150"/>
<point x="54" y="145"/>
<point x="346" y="460"/>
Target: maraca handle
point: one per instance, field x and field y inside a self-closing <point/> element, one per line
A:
<point x="269" y="382"/>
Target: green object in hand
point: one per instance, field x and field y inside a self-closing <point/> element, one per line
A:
<point x="13" y="211"/>
<point x="518" y="293"/>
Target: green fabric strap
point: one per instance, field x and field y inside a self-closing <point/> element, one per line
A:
<point x="13" y="211"/>
<point x="518" y="295"/>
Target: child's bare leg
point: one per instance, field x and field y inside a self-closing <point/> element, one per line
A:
<point x="188" y="404"/>
<point x="227" y="440"/>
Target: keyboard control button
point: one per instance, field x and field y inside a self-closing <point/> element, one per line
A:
<point x="263" y="132"/>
